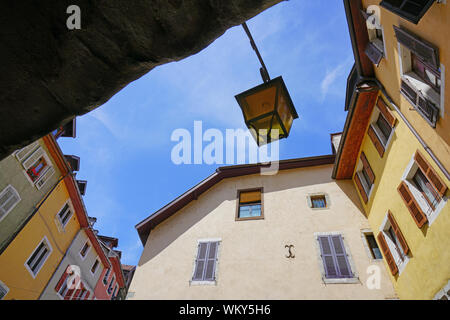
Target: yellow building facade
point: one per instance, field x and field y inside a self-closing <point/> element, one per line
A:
<point x="24" y="275"/>
<point x="395" y="145"/>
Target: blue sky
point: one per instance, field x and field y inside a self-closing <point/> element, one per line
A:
<point x="125" y="145"/>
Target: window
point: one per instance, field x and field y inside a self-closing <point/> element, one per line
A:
<point x="422" y="190"/>
<point x="318" y="201"/>
<point x="381" y="127"/>
<point x="250" y="205"/>
<point x="206" y="262"/>
<point x="37" y="165"/>
<point x="3" y="290"/>
<point x="111" y="285"/>
<point x="421" y="74"/>
<point x="105" y="278"/>
<point x="9" y="198"/>
<point x="373" y="246"/>
<point x="336" y="264"/>
<point x="38" y="257"/>
<point x="115" y="291"/>
<point x="443" y="294"/>
<point x="375" y="49"/>
<point x="364" y="178"/>
<point x="94" y="266"/>
<point x="411" y="10"/>
<point x="85" y="249"/>
<point x="393" y="244"/>
<point x="64" y="214"/>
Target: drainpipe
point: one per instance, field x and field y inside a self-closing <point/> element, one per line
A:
<point x="408" y="124"/>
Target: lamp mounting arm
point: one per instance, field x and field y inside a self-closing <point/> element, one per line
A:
<point x="263" y="70"/>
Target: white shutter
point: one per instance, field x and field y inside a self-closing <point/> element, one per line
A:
<point x="33" y="158"/>
<point x="45" y="177"/>
<point x="22" y="153"/>
<point x="9" y="197"/>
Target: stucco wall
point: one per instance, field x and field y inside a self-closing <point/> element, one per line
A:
<point x="428" y="269"/>
<point x="73" y="257"/>
<point x="252" y="262"/>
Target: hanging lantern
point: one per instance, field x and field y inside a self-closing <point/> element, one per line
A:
<point x="268" y="111"/>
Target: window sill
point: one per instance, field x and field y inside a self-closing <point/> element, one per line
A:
<point x="340" y="280"/>
<point x="250" y="218"/>
<point x="202" y="283"/>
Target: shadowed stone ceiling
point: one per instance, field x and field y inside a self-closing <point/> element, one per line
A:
<point x="49" y="74"/>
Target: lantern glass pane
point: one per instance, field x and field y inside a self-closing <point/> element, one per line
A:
<point x="284" y="111"/>
<point x="263" y="127"/>
<point x="259" y="103"/>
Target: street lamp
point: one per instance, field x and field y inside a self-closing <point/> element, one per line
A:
<point x="268" y="109"/>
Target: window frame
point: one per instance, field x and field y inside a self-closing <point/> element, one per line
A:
<point x="444" y="292"/>
<point x="35" y="273"/>
<point x="106" y="276"/>
<point x="87" y="251"/>
<point x="392" y="245"/>
<point x="58" y="218"/>
<point x="193" y="282"/>
<point x="110" y="286"/>
<point x="238" y="204"/>
<point x="4" y="288"/>
<point x="351" y="264"/>
<point x="16" y="194"/>
<point x="326" y="197"/>
<point x="366" y="244"/>
<point x="96" y="261"/>
<point x="427" y="209"/>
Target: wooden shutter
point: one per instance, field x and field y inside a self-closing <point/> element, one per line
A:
<point x="201" y="261"/>
<point x="376" y="141"/>
<point x="411" y="10"/>
<point x="387" y="114"/>
<point x="373" y="53"/>
<point x="387" y="253"/>
<point x="344" y="269"/>
<point x="398" y="233"/>
<point x="211" y="261"/>
<point x="431" y="175"/>
<point x="327" y="257"/>
<point x="87" y="295"/>
<point x="61" y="280"/>
<point x="250" y="196"/>
<point x="421" y="48"/>
<point x="416" y="212"/>
<point x="362" y="192"/>
<point x="367" y="167"/>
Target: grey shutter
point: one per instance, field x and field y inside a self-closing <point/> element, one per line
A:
<point x="421" y="48"/>
<point x="8" y="200"/>
<point x="425" y="107"/>
<point x="33" y="158"/>
<point x="211" y="261"/>
<point x="327" y="257"/>
<point x="344" y="270"/>
<point x="22" y="153"/>
<point x="373" y="53"/>
<point x="411" y="10"/>
<point x="200" y="262"/>
<point x="409" y="92"/>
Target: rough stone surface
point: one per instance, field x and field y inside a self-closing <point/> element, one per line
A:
<point x="50" y="74"/>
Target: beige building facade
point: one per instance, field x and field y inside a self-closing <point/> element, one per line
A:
<point x="279" y="254"/>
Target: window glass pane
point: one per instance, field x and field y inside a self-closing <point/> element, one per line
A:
<point x="384" y="127"/>
<point x="376" y="253"/>
<point x="424" y="186"/>
<point x="247" y="211"/>
<point x="318" y="202"/>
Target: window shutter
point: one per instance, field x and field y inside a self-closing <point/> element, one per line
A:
<point x="327" y="257"/>
<point x="411" y="10"/>
<point x="201" y="261"/>
<point x="409" y="92"/>
<point x="428" y="109"/>
<point x="87" y="295"/>
<point x="362" y="192"/>
<point x="373" y="53"/>
<point x="387" y="253"/>
<point x="398" y="233"/>
<point x="365" y="15"/>
<point x="211" y="261"/>
<point x="22" y="153"/>
<point x="367" y="167"/>
<point x="416" y="212"/>
<point x="341" y="257"/>
<point x="421" y="48"/>
<point x="61" y="280"/>
<point x="45" y="177"/>
<point x="33" y="158"/>
<point x="8" y="199"/>
<point x="376" y="141"/>
<point x="387" y="114"/>
<point x="426" y="168"/>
